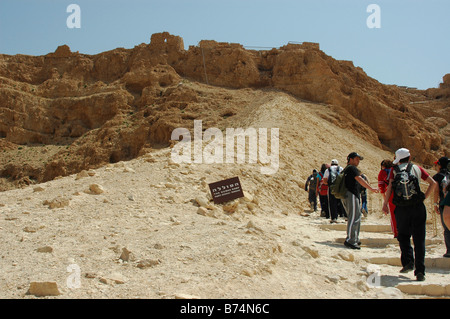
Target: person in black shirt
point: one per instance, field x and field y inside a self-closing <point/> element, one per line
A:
<point x="352" y="202"/>
<point x="312" y="182"/>
<point x="442" y="174"/>
<point x="350" y="182"/>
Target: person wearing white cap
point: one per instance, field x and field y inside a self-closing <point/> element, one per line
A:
<point x="401" y="153"/>
<point x="410" y="211"/>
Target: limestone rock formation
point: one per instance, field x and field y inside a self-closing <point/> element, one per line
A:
<point x="112" y="106"/>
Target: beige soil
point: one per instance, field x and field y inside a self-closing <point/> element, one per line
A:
<point x="268" y="245"/>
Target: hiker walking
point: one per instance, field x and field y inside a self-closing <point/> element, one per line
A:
<point x="323" y="192"/>
<point x="445" y="203"/>
<point x="329" y="178"/>
<point x="353" y="183"/>
<point x="442" y="178"/>
<point x="312" y="182"/>
<point x="410" y="211"/>
<point x="364" y="209"/>
<point x="383" y="183"/>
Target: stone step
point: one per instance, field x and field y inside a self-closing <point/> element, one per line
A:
<point x="392" y="261"/>
<point x="431" y="262"/>
<point x="383" y="242"/>
<point x="364" y="228"/>
<point x="432" y="290"/>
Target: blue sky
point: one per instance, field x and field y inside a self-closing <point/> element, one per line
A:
<point x="411" y="48"/>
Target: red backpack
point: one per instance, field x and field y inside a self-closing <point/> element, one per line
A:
<point x="323" y="189"/>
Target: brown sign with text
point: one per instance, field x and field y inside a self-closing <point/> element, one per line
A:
<point x="226" y="190"/>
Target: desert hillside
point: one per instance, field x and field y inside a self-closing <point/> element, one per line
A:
<point x="104" y="211"/>
<point x="147" y="228"/>
<point x="66" y="111"/>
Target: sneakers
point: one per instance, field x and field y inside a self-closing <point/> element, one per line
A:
<point x="407" y="268"/>
<point x="420" y="277"/>
<point x="364" y="212"/>
<point x="410" y="267"/>
<point x="347" y="244"/>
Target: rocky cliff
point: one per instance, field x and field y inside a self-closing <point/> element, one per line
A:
<point x="88" y="110"/>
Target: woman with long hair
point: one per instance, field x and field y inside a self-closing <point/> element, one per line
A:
<point x="446" y="204"/>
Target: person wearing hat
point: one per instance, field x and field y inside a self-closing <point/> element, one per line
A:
<point x="440" y="178"/>
<point x="411" y="219"/>
<point x="334" y="204"/>
<point x="352" y="203"/>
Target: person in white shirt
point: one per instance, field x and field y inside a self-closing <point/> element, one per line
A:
<point x="335" y="207"/>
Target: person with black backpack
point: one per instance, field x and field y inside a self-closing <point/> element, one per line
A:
<point x="410" y="211"/>
<point x="443" y="179"/>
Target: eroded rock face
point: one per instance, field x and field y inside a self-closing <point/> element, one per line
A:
<point x="385" y="111"/>
<point x="111" y="106"/>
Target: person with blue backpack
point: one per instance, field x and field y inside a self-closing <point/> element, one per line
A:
<point x="364" y="209"/>
<point x="410" y="211"/>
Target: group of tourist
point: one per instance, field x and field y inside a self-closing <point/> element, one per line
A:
<point x="403" y="200"/>
<point x="318" y="183"/>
